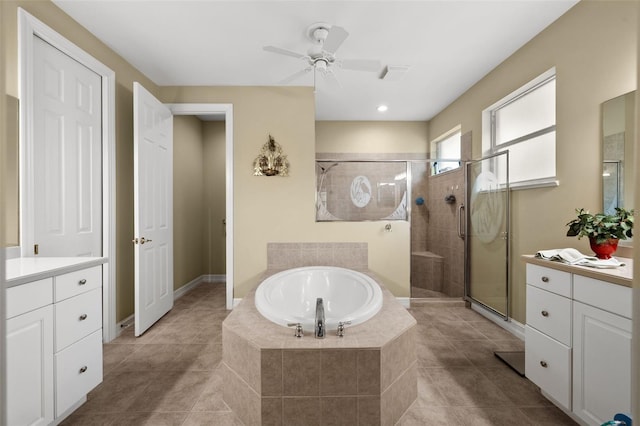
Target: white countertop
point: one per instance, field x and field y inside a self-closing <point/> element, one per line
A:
<point x="26" y="269"/>
<point x="622" y="275"/>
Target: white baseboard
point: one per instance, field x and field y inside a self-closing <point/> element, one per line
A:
<point x="404" y="301"/>
<point x="125" y="323"/>
<point x="236" y="301"/>
<point x="178" y="293"/>
<point x="214" y="278"/>
<point x="512" y="326"/>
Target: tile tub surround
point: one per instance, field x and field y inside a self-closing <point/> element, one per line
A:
<point x="293" y="255"/>
<point x="368" y="377"/>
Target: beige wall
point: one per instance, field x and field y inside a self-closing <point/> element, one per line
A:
<point x="125" y="76"/>
<point x="188" y="200"/>
<point x="265" y="208"/>
<point x="372" y="136"/>
<point x="213" y="138"/>
<point x="593" y="47"/>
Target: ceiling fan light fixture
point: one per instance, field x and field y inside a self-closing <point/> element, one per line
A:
<point x="382" y="108"/>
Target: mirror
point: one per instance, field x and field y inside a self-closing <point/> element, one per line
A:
<point x="618" y="147"/>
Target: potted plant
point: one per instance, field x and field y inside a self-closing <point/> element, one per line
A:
<point x="604" y="231"/>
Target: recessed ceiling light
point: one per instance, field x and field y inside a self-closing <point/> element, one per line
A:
<point x="382" y="108"/>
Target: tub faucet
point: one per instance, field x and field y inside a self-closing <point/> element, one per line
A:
<point x="320" y="329"/>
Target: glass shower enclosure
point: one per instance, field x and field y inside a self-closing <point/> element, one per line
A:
<point x="487" y="233"/>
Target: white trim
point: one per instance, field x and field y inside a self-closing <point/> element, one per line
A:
<point x="179" y="292"/>
<point x="512" y="326"/>
<point x="214" y="278"/>
<point x="404" y="301"/>
<point x="28" y="26"/>
<point x="125" y="323"/>
<point x="12" y="252"/>
<point x="236" y="301"/>
<point x="227" y="109"/>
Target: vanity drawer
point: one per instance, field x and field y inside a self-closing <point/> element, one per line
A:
<point x="77" y="282"/>
<point x="77" y="317"/>
<point x="548" y="365"/>
<point x="78" y="369"/>
<point x="28" y="297"/>
<point x="606" y="296"/>
<point x="549" y="313"/>
<point x="552" y="280"/>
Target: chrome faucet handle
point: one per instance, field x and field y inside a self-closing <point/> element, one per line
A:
<point x="298" y="329"/>
<point x="340" y="330"/>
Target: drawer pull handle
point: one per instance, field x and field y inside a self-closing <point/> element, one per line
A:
<point x="545" y="279"/>
<point x="545" y="313"/>
<point x="83" y="317"/>
<point x="83" y="369"/>
<point x="82" y="282"/>
<point x="543" y="363"/>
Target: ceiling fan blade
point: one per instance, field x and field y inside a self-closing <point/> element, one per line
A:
<point x="337" y="35"/>
<point x="331" y="79"/>
<point x="285" y="52"/>
<point x="296" y="75"/>
<point x="361" y="64"/>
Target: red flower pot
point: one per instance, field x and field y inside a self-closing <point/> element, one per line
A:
<point x="604" y="250"/>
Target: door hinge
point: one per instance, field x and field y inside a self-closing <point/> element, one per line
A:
<point x="35" y="249"/>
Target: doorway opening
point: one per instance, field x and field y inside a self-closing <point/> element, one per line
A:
<point x="218" y="223"/>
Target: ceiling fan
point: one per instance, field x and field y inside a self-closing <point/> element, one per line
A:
<point x="321" y="56"/>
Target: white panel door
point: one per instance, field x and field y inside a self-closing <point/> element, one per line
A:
<point x="67" y="155"/>
<point x="601" y="364"/>
<point x="30" y="378"/>
<point x="153" y="208"/>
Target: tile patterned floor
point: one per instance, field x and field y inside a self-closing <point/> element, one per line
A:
<point x="169" y="375"/>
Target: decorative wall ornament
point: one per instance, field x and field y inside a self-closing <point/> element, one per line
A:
<point x="271" y="161"/>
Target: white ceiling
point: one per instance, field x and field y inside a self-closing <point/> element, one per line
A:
<point x="450" y="45"/>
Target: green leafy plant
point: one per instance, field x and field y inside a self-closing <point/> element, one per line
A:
<point x="602" y="227"/>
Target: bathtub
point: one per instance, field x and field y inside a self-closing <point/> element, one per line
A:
<point x="290" y="296"/>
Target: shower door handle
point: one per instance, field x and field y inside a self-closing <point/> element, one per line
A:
<point x="460" y="218"/>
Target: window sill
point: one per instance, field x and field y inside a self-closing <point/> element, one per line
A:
<point x="533" y="184"/>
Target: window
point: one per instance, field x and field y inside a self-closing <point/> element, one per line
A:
<point x="524" y="123"/>
<point x="445" y="150"/>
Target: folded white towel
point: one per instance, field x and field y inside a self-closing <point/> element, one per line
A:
<point x="574" y="257"/>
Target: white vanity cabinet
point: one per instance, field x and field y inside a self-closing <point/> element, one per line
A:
<point x="601" y="350"/>
<point x="578" y="338"/>
<point x="30" y="354"/>
<point x="54" y="337"/>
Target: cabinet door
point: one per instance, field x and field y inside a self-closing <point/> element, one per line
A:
<point x="601" y="364"/>
<point x="30" y="368"/>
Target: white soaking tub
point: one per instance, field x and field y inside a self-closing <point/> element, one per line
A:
<point x="290" y="296"/>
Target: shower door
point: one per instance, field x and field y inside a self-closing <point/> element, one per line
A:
<point x="487" y="233"/>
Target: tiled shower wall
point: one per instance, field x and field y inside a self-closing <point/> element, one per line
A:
<point x="434" y="228"/>
<point x="442" y="229"/>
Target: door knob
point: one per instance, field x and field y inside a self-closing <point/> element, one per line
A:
<point x="140" y="241"/>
